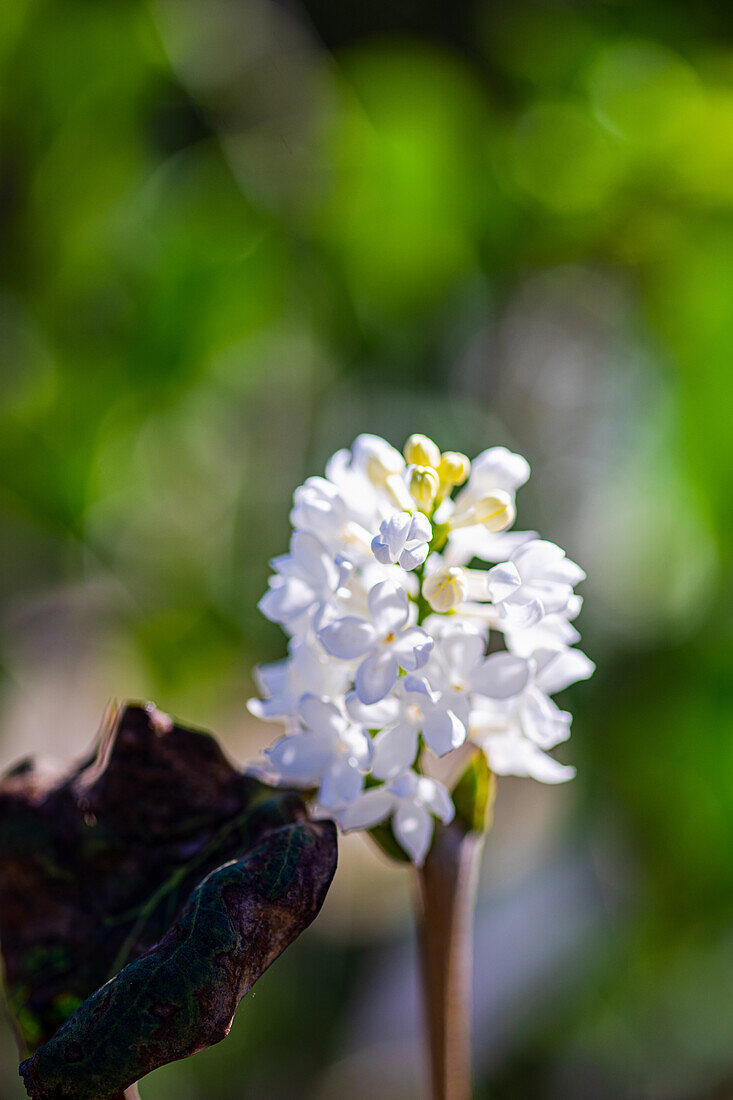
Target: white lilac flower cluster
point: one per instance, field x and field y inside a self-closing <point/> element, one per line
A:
<point x="389" y="658"/>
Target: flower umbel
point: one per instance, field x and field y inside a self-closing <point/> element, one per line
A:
<point x="389" y="660"/>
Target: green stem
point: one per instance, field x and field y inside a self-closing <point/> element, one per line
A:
<point x="445" y="904"/>
<point x="423" y="607"/>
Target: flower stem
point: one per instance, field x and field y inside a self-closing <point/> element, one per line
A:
<point x="423" y="607"/>
<point x="445" y="903"/>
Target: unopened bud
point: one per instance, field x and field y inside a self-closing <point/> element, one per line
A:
<point x="454" y="468"/>
<point x="445" y="588"/>
<point x="421" y="451"/>
<point x="382" y="465"/>
<point x="424" y="485"/>
<point x="495" y="511"/>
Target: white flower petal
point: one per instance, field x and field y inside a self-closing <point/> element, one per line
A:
<point x="367" y="810"/>
<point x="270" y="677"/>
<point x="388" y="607"/>
<point x="477" y="542"/>
<point x="558" y="669"/>
<point x="312" y="558"/>
<point x="544" y="560"/>
<point x="461" y="651"/>
<point x="345" y="568"/>
<point x="286" y="599"/>
<point x="299" y="757"/>
<point x="320" y="714"/>
<point x="372" y="716"/>
<point x="500" y="676"/>
<point x="399" y="493"/>
<point x="376" y="676"/>
<point x="341" y="785"/>
<point x="367" y="447"/>
<point x="405" y="785"/>
<point x="359" y="746"/>
<point x="566" y="572"/>
<point x="381" y="551"/>
<point x="575" y="603"/>
<point x="411" y="558"/>
<point x="442" y="730"/>
<point x="554" y="632"/>
<point x="394" y="750"/>
<point x="413" y="827"/>
<point x="395" y="531"/>
<point x="437" y="798"/>
<point x="534" y="558"/>
<point x="421" y="529"/>
<point x="542" y="721"/>
<point x="390" y="542"/>
<point x="511" y="755"/>
<point x="412" y="648"/>
<point x="520" y="615"/>
<point x="502" y="581"/>
<point x="347" y="638"/>
<point x="552" y="595"/>
<point x="259" y="708"/>
<point x="415" y="549"/>
<point x="417" y="685"/>
<point x="499" y="468"/>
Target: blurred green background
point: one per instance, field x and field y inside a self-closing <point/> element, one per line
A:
<point x="238" y="232"/>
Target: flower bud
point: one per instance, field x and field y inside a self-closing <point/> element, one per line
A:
<point x="454" y="468"/>
<point x="495" y="511"/>
<point x="421" y="451"/>
<point x="382" y="465"/>
<point x="445" y="588"/>
<point x="424" y="485"/>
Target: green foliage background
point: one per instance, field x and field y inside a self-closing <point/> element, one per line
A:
<point x="237" y="233"/>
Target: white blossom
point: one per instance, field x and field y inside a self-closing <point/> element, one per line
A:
<point x="401" y="649"/>
<point x="530" y="715"/>
<point x="413" y="801"/>
<point x="509" y="752"/>
<point x="412" y="708"/>
<point x="404" y="539"/>
<point x="494" y="469"/>
<point x="304" y="584"/>
<point x="328" y="752"/>
<point x="307" y="668"/>
<point x="445" y="589"/>
<point x="384" y="643"/>
<point x="459" y="667"/>
<point x="537" y="580"/>
<point x="554" y="631"/>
